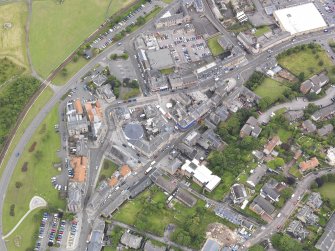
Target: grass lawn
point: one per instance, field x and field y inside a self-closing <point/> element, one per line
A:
<point x="107" y="169"/>
<point x="327" y="190"/>
<point x="238" y="27"/>
<point x="284" y="135"/>
<point x="57" y="30"/>
<point x="148" y="212"/>
<point x="36" y="180"/>
<point x="226" y="182"/>
<point x="40" y="102"/>
<point x="167" y="71"/>
<point x="270" y="88"/>
<point x="25" y="233"/>
<point x="127" y="93"/>
<point x="72" y="68"/>
<point x="261" y="30"/>
<point x="167" y="1"/>
<point x="294" y="170"/>
<point x="305" y="61"/>
<point x="12" y="40"/>
<point x="214" y="46"/>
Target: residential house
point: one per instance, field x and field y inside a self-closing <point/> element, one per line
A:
<point x="263" y="208"/>
<point x="257" y="175"/>
<point x="307" y="216"/>
<point x="185" y="197"/>
<point x="97" y="235"/>
<point x="292" y="116"/>
<point x="306" y="86"/>
<point x="238" y="193"/>
<point x="314" y="201"/>
<point x="314" y="84"/>
<point x="251" y="127"/>
<point x="324" y="113"/>
<point x="308" y="126"/>
<point x="269" y="190"/>
<point x="125" y="171"/>
<point x="79" y="165"/>
<point x="131" y="241"/>
<point x="297" y="230"/>
<point x="327" y="239"/>
<point x="309" y="164"/>
<point x="325" y="130"/>
<point x="275" y="141"/>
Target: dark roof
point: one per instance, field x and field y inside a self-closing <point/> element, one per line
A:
<point x="327" y="240"/>
<point x="264" y="204"/>
<point x="186" y="197"/>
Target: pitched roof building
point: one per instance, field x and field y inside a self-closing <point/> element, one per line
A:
<point x="309" y="126"/>
<point x="79" y="165"/>
<point x="238" y="193"/>
<point x="309" y="164"/>
<point x="275" y="141"/>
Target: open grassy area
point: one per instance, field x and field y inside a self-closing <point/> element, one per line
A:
<point x="24" y="235"/>
<point x="107" y="169"/>
<point x="214" y="46"/>
<point x="306" y="61"/>
<point x="327" y="190"/>
<point x="127" y="93"/>
<point x="261" y="30"/>
<point x="270" y="88"/>
<point x="167" y="71"/>
<point x="284" y="135"/>
<point x="294" y="170"/>
<point x="40" y="102"/>
<point x="12" y="39"/>
<point x="57" y="30"/>
<point x="148" y="212"/>
<point x="72" y="68"/>
<point x="35" y="179"/>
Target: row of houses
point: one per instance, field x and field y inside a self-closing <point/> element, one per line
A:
<point x="314" y="84"/>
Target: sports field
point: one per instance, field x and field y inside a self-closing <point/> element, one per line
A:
<point x="13" y="17"/>
<point x="34" y="171"/>
<point x="57" y="30"/>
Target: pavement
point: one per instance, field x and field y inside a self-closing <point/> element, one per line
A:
<point x="75" y="81"/>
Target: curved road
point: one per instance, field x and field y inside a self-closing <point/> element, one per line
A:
<point x="288" y="208"/>
<point x="75" y="80"/>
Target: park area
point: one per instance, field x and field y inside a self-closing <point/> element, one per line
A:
<point x="306" y="60"/>
<point x="270" y="88"/>
<point x="327" y="191"/>
<point x="148" y="212"/>
<point x="58" y="29"/>
<point x="33" y="173"/>
<point x="107" y="169"/>
<point x="13" y="18"/>
<point x="214" y="46"/>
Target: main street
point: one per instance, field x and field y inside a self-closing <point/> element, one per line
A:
<point x="246" y="70"/>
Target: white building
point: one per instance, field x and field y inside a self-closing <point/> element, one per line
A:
<point x="300" y="19"/>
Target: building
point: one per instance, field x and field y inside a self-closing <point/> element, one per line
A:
<point x="76" y="121"/>
<point x="200" y="174"/>
<point x="309" y="164"/>
<point x="263" y="208"/>
<point x="74" y="200"/>
<point x="191" y="138"/>
<point x="131" y="241"/>
<point x="314" y="201"/>
<point x="180" y="17"/>
<point x="160" y="59"/>
<point x="251" y="127"/>
<point x="308" y="126"/>
<point x="238" y="193"/>
<point x="300" y="19"/>
<point x="269" y="190"/>
<point x="79" y="165"/>
<point x="151" y="247"/>
<point x="211" y="245"/>
<point x="106" y="93"/>
<point x="99" y="79"/>
<point x="314" y="84"/>
<point x="325" y="130"/>
<point x="241" y="16"/>
<point x="257" y="175"/>
<point x="307" y="216"/>
<point x="306" y="86"/>
<point x="331" y="156"/>
<point x="324" y="113"/>
<point x="293" y="116"/>
<point x="96" y="241"/>
<point x="125" y="171"/>
<point x="197" y="4"/>
<point x="297" y="230"/>
<point x="327" y="239"/>
<point x="185" y="197"/>
<point x="275" y="141"/>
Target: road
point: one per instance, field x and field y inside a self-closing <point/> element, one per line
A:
<point x="75" y="81"/>
<point x="288" y="208"/>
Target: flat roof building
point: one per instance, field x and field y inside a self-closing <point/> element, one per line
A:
<point x="160" y="59"/>
<point x="300" y="19"/>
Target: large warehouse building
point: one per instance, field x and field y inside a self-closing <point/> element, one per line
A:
<point x="300" y="19"/>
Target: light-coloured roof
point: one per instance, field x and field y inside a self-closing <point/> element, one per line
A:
<point x="300" y="18"/>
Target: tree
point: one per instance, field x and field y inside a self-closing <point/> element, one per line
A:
<point x="38" y="155"/>
<point x="18" y="184"/>
<point x="114" y="56"/>
<point x="257" y="247"/>
<point x="301" y="76"/>
<point x="140" y="20"/>
<point x="64" y="72"/>
<point x="75" y="58"/>
<point x="264" y="103"/>
<point x="283" y="242"/>
<point x="287" y="193"/>
<point x="320" y="63"/>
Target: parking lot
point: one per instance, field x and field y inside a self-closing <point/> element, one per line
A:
<point x="122" y="69"/>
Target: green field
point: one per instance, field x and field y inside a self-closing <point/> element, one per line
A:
<point x="72" y="68"/>
<point x="327" y="191"/>
<point x="305" y="61"/>
<point x="57" y="30"/>
<point x="270" y="88"/>
<point x="36" y="179"/>
<point x="261" y="30"/>
<point x="35" y="109"/>
<point x="284" y="135"/>
<point x="167" y="71"/>
<point x="12" y="40"/>
<point x="214" y="46"/>
<point x="20" y="240"/>
<point x="294" y="170"/>
<point x="148" y="212"/>
<point x="107" y="169"/>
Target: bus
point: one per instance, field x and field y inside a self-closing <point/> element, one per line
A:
<point x="148" y="170"/>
